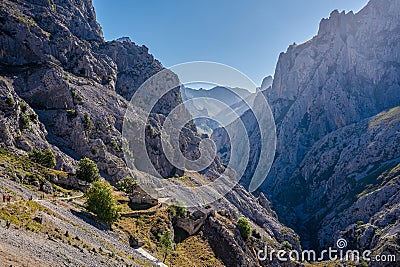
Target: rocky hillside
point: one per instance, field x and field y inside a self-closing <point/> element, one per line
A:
<point x="335" y="100"/>
<point x="53" y="56"/>
<point x="65" y="88"/>
<point x="327" y="87"/>
<point x="347" y="73"/>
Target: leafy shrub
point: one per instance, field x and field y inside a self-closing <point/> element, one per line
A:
<point x="10" y="101"/>
<point x="115" y="146"/>
<point x="127" y="184"/>
<point x="244" y="228"/>
<point x="71" y="113"/>
<point x="101" y="202"/>
<point x="45" y="157"/>
<point x="24" y="122"/>
<point x="87" y="170"/>
<point x="166" y="244"/>
<point x="23" y="107"/>
<point x="286" y="245"/>
<point x="177" y="211"/>
<point x="87" y="121"/>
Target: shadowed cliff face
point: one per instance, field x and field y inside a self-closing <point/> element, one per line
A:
<point x="332" y="88"/>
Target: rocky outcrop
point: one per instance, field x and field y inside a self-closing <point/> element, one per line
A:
<point x="344" y="75"/>
<point x="336" y="132"/>
<point x="21" y="128"/>
<point x="352" y="163"/>
<point x="55" y="59"/>
<point x="372" y="221"/>
<point x="134" y="65"/>
<point x="57" y="70"/>
<point x="341" y="76"/>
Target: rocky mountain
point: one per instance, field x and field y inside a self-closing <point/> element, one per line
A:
<point x="205" y="102"/>
<point x="335" y="101"/>
<point x="228" y="96"/>
<point x="65" y="88"/>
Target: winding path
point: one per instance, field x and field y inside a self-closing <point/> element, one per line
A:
<point x="82" y="227"/>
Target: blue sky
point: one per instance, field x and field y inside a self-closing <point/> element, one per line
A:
<point x="247" y="35"/>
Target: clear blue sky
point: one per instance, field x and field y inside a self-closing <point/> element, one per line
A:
<point x="247" y="35"/>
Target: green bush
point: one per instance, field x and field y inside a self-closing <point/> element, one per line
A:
<point x="177" y="211"/>
<point x="101" y="202"/>
<point x="87" y="122"/>
<point x="244" y="228"/>
<point x="87" y="170"/>
<point x="10" y="101"/>
<point x="166" y="244"/>
<point x="23" y="107"/>
<point x="286" y="245"/>
<point x="24" y="122"/>
<point x="115" y="146"/>
<point x="45" y="157"/>
<point x="71" y="113"/>
<point x="127" y="184"/>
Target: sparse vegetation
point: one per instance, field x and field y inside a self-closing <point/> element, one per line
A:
<point x="71" y="113"/>
<point x="24" y="122"/>
<point x="166" y="244"/>
<point x="286" y="245"/>
<point x="244" y="228"/>
<point x="87" y="170"/>
<point x="45" y="157"/>
<point x="87" y="122"/>
<point x="10" y="101"/>
<point x="23" y="107"/>
<point x="115" y="146"/>
<point x="101" y="202"/>
<point x="20" y="215"/>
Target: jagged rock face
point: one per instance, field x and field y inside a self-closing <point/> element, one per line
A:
<point x="372" y="221"/>
<point x="135" y="65"/>
<point x="325" y="97"/>
<point x="20" y="127"/>
<point x="347" y="73"/>
<point x="63" y="33"/>
<point x="56" y="59"/>
<point x="226" y="241"/>
<point x="350" y="182"/>
<point x="343" y="75"/>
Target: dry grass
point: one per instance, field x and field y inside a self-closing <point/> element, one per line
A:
<point x="194" y="251"/>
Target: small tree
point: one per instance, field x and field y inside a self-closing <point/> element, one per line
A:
<point x="101" y="202"/>
<point x="181" y="211"/>
<point x="127" y="184"/>
<point x="244" y="228"/>
<point x="177" y="211"/>
<point x="166" y="244"/>
<point x="87" y="170"/>
<point x="45" y="157"/>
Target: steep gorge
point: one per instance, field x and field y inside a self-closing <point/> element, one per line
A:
<point x="335" y="101"/>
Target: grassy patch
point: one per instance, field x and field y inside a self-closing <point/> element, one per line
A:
<point x="22" y="215"/>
